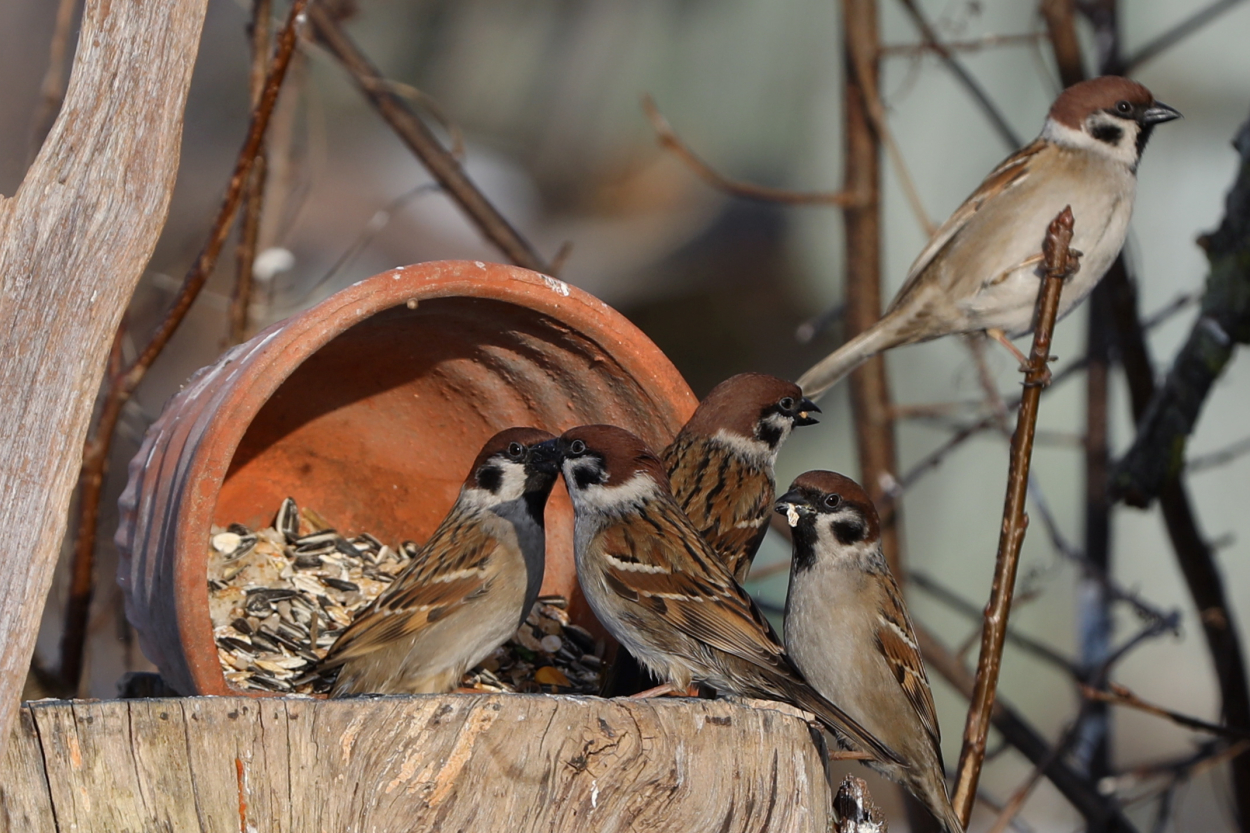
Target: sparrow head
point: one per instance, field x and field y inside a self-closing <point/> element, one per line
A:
<point x="831" y="517"/>
<point x="515" y="463"/>
<point x="609" y="469"/>
<point x="1109" y="115"/>
<point x="752" y="407"/>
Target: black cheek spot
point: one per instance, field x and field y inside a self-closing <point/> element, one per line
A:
<point x="585" y="476"/>
<point x="849" y="532"/>
<point x="490" y="478"/>
<point x="1108" y="133"/>
<point x="769" y="434"/>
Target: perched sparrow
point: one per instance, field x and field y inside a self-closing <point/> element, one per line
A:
<point x="657" y="586"/>
<point x="980" y="271"/>
<point x="721" y="464"/>
<point x="848" y="631"/>
<point x="469" y="588"/>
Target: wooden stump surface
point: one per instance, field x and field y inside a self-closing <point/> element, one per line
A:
<point x="453" y="763"/>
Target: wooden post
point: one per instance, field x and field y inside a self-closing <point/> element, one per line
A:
<point x="73" y="242"/>
<point x="429" y="762"/>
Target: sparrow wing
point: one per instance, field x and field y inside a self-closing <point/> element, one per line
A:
<point x="897" y="643"/>
<point x="1010" y="173"/>
<point x="455" y="567"/>
<point x="663" y="565"/>
<point x="728" y="502"/>
<point x="667" y="568"/>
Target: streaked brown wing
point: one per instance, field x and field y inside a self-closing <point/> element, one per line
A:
<point x="666" y="567"/>
<point x="455" y="567"/>
<point x="1011" y="172"/>
<point x="727" y="501"/>
<point x="897" y="642"/>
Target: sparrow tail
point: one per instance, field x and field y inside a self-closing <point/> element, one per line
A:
<point x="832" y="368"/>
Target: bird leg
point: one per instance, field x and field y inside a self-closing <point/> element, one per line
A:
<point x="850" y="755"/>
<point x="1001" y="337"/>
<point x="667" y="690"/>
<point x="1033" y="260"/>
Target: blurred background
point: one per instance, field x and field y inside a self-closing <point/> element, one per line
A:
<point x="546" y="96"/>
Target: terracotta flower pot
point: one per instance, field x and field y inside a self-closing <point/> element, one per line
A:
<point x="370" y="407"/>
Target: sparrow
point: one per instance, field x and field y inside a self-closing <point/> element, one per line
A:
<point x="470" y="586"/>
<point x="847" y="631"/>
<point x="720" y="464"/>
<point x="981" y="271"/>
<point x="660" y="590"/>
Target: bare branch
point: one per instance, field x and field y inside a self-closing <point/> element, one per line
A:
<point x="899" y="50"/>
<point x="931" y="40"/>
<point x="1058" y="264"/>
<point x="122" y="385"/>
<point x="1177" y="33"/>
<point x="669" y="140"/>
<point x="441" y="164"/>
<point x="1118" y="695"/>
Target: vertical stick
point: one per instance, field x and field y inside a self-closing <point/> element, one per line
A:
<point x="1037" y="375"/>
<point x="870" y="391"/>
<point x="249" y="231"/>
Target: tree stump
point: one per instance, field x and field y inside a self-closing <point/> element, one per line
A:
<point x="433" y="762"/>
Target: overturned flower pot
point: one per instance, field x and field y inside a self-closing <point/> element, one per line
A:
<point x="371" y="407"/>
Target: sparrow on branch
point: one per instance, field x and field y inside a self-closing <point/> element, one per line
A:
<point x="981" y="271"/>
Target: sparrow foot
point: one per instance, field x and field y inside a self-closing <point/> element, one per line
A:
<point x="1001" y="337"/>
<point x="666" y="690"/>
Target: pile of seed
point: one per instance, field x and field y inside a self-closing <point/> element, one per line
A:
<point x="279" y="598"/>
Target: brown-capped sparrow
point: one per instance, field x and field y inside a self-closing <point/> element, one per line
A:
<point x="848" y="631"/>
<point x="661" y="591"/>
<point x="471" y="585"/>
<point x="980" y="272"/>
<point x="721" y="463"/>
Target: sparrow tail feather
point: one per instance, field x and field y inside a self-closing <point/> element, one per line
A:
<point x="832" y="368"/>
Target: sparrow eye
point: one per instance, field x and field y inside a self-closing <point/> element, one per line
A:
<point x="833" y="501"/>
<point x="577" y="447"/>
<point x="786" y="404"/>
<point x="516" y="450"/>
<point x="1123" y="108"/>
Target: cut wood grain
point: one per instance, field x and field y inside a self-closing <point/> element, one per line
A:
<point x="73" y="243"/>
<point x="436" y="762"/>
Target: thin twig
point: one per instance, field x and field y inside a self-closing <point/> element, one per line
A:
<point x="1098" y="810"/>
<point x="253" y="199"/>
<point x="862" y="65"/>
<point x="1177" y="33"/>
<point x="1222" y="457"/>
<point x="441" y="164"/>
<point x="1118" y="695"/>
<point x="670" y="141"/>
<point x="974" y="89"/>
<point x="961" y="605"/>
<point x="1059" y="264"/>
<point x="52" y="91"/>
<point x="121" y="386"/>
<point x="897" y="50"/>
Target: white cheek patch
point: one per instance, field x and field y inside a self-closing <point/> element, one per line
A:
<point x="748" y="448"/>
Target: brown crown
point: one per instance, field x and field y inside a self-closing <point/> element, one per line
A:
<point x="735" y="404"/>
<point x="819" y="484"/>
<point x="1079" y="100"/>
<point x="623" y="453"/>
<point x="500" y="442"/>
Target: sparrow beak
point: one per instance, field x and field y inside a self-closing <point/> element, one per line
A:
<point x="806" y="408"/>
<point x="546" y="456"/>
<point x="793" y="505"/>
<point x="1158" y="113"/>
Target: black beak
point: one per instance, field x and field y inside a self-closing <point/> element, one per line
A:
<point x="546" y="456"/>
<point x="1158" y="113"/>
<point x="793" y="504"/>
<point x="806" y="408"/>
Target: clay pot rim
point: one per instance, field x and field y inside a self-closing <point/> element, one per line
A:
<point x="293" y="340"/>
